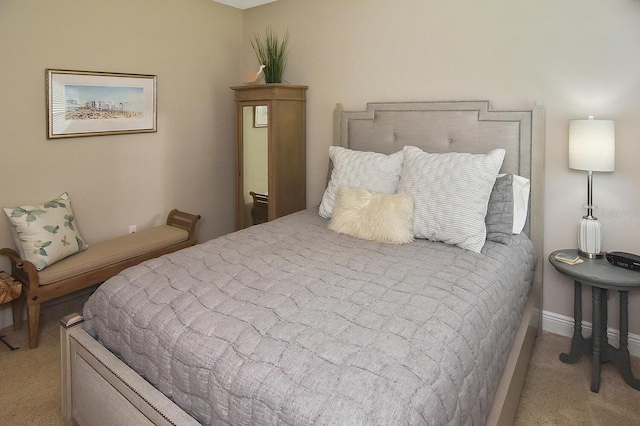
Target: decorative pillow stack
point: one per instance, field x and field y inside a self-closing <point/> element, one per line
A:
<point x="457" y="198"/>
<point x="45" y="233"/>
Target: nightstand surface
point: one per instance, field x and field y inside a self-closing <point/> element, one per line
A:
<point x="597" y="272"/>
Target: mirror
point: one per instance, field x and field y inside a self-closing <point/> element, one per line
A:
<point x="255" y="160"/>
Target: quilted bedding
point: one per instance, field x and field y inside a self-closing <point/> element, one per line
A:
<point x="291" y="323"/>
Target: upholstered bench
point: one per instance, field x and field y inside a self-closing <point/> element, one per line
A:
<point x="94" y="265"/>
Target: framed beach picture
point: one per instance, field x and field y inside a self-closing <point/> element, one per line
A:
<point x="86" y="103"/>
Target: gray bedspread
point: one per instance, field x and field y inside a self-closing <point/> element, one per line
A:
<point x="290" y="323"/>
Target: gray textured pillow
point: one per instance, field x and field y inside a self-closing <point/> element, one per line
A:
<point x="371" y="170"/>
<point x="451" y="193"/>
<point x="499" y="219"/>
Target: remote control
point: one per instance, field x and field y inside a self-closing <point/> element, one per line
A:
<point x="624" y="260"/>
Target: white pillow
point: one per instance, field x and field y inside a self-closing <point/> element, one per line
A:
<point x="371" y="170"/>
<point x="451" y="193"/>
<point x="47" y="232"/>
<point x="373" y="216"/>
<point x="521" y="189"/>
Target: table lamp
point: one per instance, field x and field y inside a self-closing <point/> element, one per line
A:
<point x="591" y="148"/>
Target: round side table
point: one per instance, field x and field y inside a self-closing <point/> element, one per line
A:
<point x="601" y="276"/>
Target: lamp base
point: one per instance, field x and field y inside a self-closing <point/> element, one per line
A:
<point x="589" y="238"/>
<point x="591" y="255"/>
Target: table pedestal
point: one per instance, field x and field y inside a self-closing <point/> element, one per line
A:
<point x="598" y="345"/>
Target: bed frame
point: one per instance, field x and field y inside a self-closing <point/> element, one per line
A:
<point x="98" y="388"/>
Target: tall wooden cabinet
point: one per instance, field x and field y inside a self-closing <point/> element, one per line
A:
<point x="271" y="151"/>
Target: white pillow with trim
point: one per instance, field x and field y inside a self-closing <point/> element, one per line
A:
<point x="521" y="190"/>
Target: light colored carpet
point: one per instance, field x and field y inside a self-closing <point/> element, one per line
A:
<point x="30" y="378"/>
<point x="554" y="393"/>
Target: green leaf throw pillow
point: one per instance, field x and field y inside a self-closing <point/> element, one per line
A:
<point x="45" y="233"/>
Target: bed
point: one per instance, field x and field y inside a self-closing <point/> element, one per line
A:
<point x="289" y="322"/>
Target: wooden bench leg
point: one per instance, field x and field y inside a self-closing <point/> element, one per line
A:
<point x="33" y="314"/>
<point x="17" y="305"/>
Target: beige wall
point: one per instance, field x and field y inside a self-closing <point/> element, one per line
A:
<point x="578" y="56"/>
<point x="117" y="181"/>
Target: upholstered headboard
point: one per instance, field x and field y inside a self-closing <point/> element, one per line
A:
<point x="467" y="126"/>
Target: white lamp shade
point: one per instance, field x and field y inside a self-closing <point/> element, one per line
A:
<point x="592" y="145"/>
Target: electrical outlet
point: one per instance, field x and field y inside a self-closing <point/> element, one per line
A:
<point x="132" y="229"/>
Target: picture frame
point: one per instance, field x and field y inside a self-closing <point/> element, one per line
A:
<point x="261" y="118"/>
<point x="93" y="103"/>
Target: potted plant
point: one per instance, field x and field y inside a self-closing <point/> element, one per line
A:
<point x="272" y="53"/>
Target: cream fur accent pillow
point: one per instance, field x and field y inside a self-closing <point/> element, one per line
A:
<point x="373" y="216"/>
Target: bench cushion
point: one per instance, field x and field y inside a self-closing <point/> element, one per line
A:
<point x="112" y="251"/>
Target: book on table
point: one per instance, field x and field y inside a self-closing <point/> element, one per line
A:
<point x="571" y="259"/>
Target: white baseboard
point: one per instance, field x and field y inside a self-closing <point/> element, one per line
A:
<point x="563" y="325"/>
